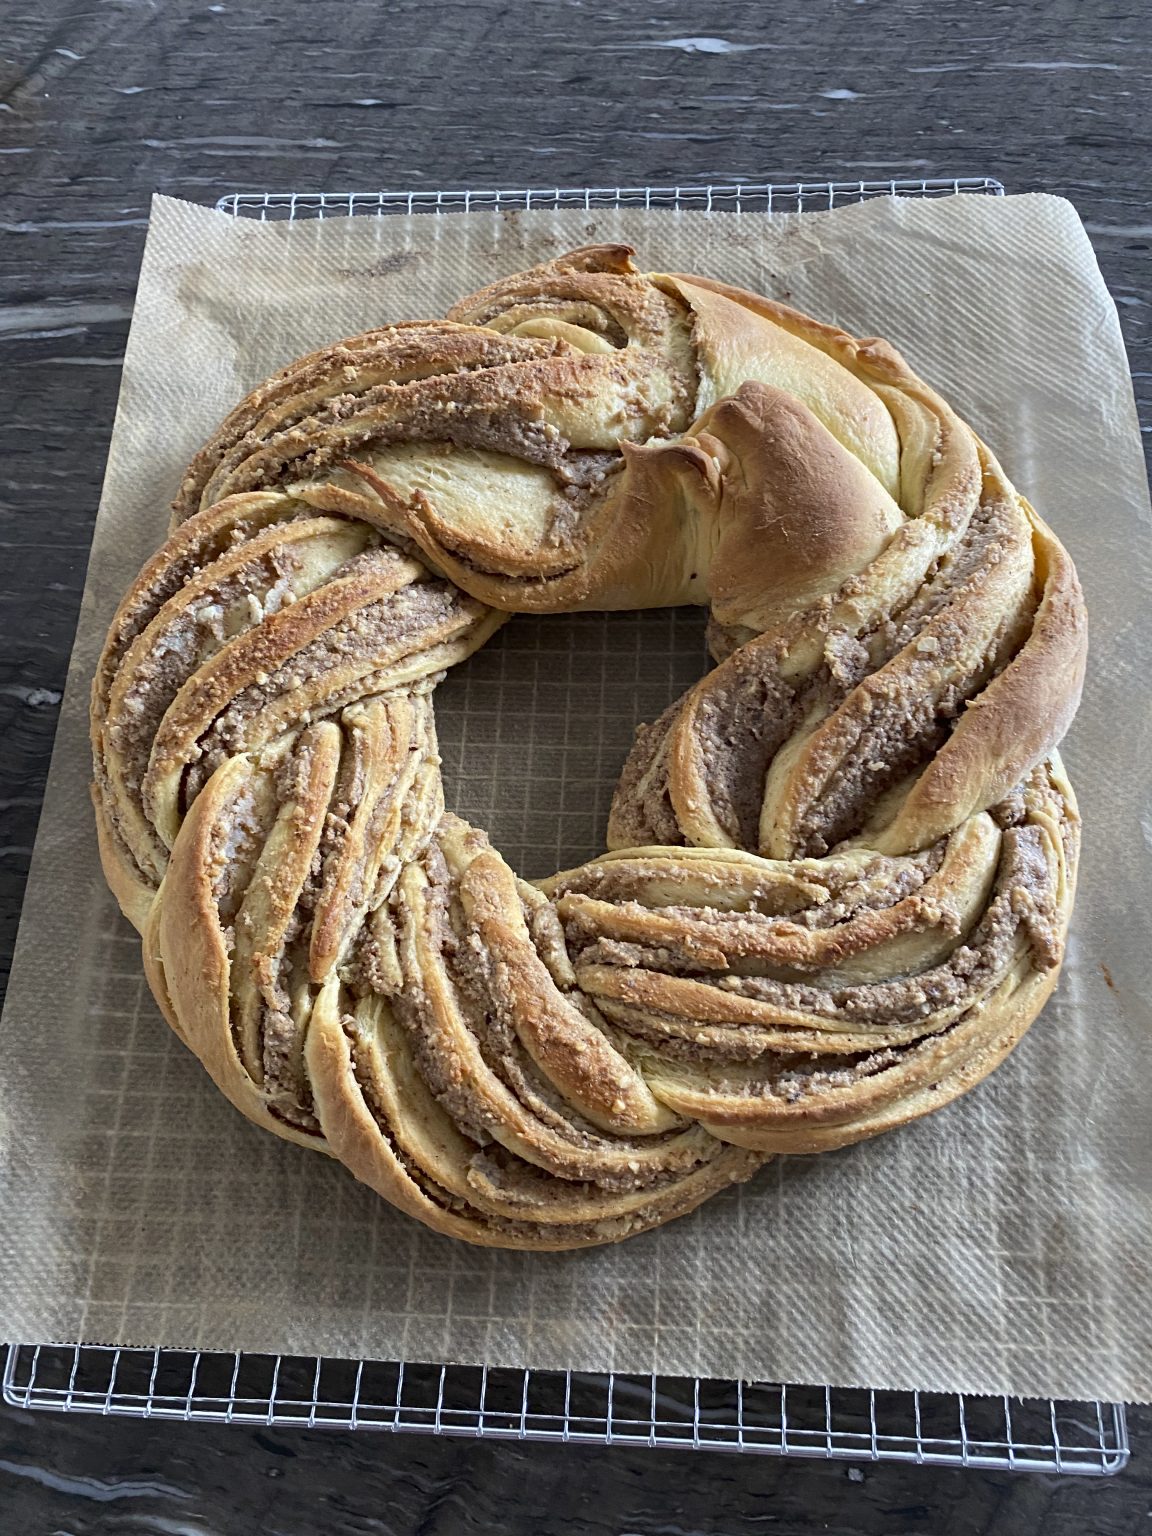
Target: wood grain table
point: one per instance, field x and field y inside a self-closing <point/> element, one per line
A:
<point x="103" y="102"/>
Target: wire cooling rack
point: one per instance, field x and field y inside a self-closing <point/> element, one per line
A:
<point x="570" y="1406"/>
<point x="719" y="197"/>
<point x="566" y="1406"/>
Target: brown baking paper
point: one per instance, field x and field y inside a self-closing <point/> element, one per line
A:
<point x="999" y="1246"/>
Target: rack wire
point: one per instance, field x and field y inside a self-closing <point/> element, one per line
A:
<point x="570" y="1407"/>
<point x="714" y="197"/>
<point x="944" y="1429"/>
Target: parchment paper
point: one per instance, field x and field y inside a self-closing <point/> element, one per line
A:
<point x="1000" y="1246"/>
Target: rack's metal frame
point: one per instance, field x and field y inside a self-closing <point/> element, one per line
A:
<point x="942" y="1429"/>
<point x="714" y="197"/>
<point x="571" y="1407"/>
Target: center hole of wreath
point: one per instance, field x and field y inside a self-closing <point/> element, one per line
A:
<point x="535" y="727"/>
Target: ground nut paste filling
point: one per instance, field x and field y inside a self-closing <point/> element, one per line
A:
<point x="841" y="866"/>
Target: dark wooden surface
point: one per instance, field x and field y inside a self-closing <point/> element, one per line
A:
<point x="103" y="102"/>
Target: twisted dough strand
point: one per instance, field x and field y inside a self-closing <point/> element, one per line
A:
<point x="843" y="862"/>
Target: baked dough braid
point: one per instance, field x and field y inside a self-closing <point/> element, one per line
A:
<point x="843" y="862"/>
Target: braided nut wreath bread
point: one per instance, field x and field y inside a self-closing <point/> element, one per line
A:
<point x="843" y="863"/>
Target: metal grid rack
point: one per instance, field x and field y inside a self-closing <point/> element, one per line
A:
<point x="719" y="197"/>
<point x="566" y="1406"/>
<point x="572" y="1407"/>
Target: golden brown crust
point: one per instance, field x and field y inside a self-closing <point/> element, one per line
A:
<point x="193" y="951"/>
<point x="845" y="859"/>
